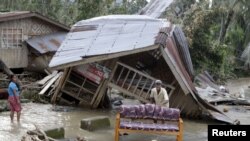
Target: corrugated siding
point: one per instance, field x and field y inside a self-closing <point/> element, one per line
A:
<point x="183" y="49"/>
<point x="15" y="57"/>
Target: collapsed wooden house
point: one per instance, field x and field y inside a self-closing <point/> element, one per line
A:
<point x="128" y="53"/>
<point x="31" y="37"/>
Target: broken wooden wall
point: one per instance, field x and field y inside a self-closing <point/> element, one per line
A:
<point x="77" y="88"/>
<point x="160" y="70"/>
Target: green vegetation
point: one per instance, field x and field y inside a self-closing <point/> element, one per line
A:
<point x="71" y="11"/>
<point x="217" y="32"/>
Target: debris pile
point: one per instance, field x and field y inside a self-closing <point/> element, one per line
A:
<point x="215" y="94"/>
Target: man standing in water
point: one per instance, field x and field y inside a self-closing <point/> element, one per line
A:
<point x="13" y="99"/>
<point x="159" y="95"/>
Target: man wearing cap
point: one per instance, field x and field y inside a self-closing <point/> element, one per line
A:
<point x="159" y="95"/>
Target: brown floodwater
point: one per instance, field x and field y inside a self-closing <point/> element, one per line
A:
<point x="44" y="117"/>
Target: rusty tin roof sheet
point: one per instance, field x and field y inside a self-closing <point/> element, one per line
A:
<point x="47" y="43"/>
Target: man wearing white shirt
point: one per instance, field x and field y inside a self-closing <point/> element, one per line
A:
<point x="159" y="95"/>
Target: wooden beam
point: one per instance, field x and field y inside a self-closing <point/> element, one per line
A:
<point x="65" y="73"/>
<point x="80" y="87"/>
<point x="47" y="78"/>
<point x="150" y="132"/>
<point x="70" y="94"/>
<point x="124" y="81"/>
<point x="131" y="81"/>
<point x="50" y="83"/>
<point x="143" y="74"/>
<point x="119" y="75"/>
<point x="137" y="84"/>
<point x="101" y="94"/>
<point x="105" y="57"/>
<point x="96" y="93"/>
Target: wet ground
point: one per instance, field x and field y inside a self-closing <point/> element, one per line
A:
<point x="43" y="116"/>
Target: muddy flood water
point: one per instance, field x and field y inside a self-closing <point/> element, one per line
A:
<point x="44" y="117"/>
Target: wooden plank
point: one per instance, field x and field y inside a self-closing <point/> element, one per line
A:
<point x="114" y="67"/>
<point x="170" y="94"/>
<point x="50" y="83"/>
<point x="119" y="75"/>
<point x="136" y="87"/>
<point x="105" y="57"/>
<point x="67" y="77"/>
<point x="65" y="73"/>
<point x="80" y="87"/>
<point x="124" y="81"/>
<point x="152" y="84"/>
<point x="143" y="87"/>
<point x="127" y="92"/>
<point x="96" y="93"/>
<point x="131" y="81"/>
<point x="113" y="72"/>
<point x="70" y="94"/>
<point x="149" y="132"/>
<point x="47" y="78"/>
<point x="143" y="74"/>
<point x="66" y="101"/>
<point x="100" y="94"/>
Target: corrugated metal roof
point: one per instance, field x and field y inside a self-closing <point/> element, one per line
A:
<point x="183" y="49"/>
<point x="106" y="35"/>
<point x="47" y="43"/>
<point x="155" y="8"/>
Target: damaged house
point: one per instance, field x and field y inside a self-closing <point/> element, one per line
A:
<point x="128" y="53"/>
<point x="30" y="37"/>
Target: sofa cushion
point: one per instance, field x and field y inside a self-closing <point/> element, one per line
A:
<point x="164" y="113"/>
<point x="149" y="111"/>
<point x="148" y="126"/>
<point x="128" y="111"/>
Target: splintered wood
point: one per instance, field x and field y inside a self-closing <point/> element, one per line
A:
<point x="49" y="83"/>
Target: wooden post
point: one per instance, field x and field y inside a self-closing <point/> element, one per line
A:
<point x="124" y="81"/>
<point x="62" y="79"/>
<point x="150" y="87"/>
<point x="143" y="87"/>
<point x="119" y="75"/>
<point x="117" y="126"/>
<point x="131" y="81"/>
<point x="180" y="135"/>
<point x="137" y="84"/>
